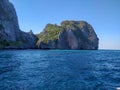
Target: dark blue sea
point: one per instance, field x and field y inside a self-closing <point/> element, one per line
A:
<point x="59" y="69"/>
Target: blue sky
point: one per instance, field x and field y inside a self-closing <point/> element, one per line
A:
<point x="103" y="15"/>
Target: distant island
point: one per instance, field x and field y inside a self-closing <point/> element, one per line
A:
<point x="69" y="35"/>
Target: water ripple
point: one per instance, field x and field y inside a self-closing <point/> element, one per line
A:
<point x="59" y="69"/>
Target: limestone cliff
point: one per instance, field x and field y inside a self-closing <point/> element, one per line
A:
<point x="70" y="35"/>
<point x="8" y="21"/>
<point x="10" y="34"/>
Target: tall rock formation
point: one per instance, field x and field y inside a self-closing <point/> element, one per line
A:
<point x="10" y="34"/>
<point x="8" y="21"/>
<point x="70" y="35"/>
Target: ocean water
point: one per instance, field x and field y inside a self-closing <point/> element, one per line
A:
<point x="59" y="69"/>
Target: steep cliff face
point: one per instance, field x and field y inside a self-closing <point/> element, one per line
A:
<point x="28" y="39"/>
<point x="70" y="35"/>
<point x="8" y="21"/>
<point x="10" y="34"/>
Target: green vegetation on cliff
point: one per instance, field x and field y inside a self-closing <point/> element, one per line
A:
<point x="50" y="32"/>
<point x="68" y="25"/>
<point x="69" y="35"/>
<point x="4" y="43"/>
<point x="78" y="27"/>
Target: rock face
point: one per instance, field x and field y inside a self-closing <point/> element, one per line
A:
<point x="8" y="21"/>
<point x="70" y="35"/>
<point x="29" y="40"/>
<point x="10" y="34"/>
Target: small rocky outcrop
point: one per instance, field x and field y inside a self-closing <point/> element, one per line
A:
<point x="10" y="34"/>
<point x="28" y="39"/>
<point x="70" y="35"/>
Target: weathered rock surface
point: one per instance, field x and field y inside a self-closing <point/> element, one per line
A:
<point x="29" y="39"/>
<point x="70" y="35"/>
<point x="8" y="21"/>
<point x="10" y="34"/>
